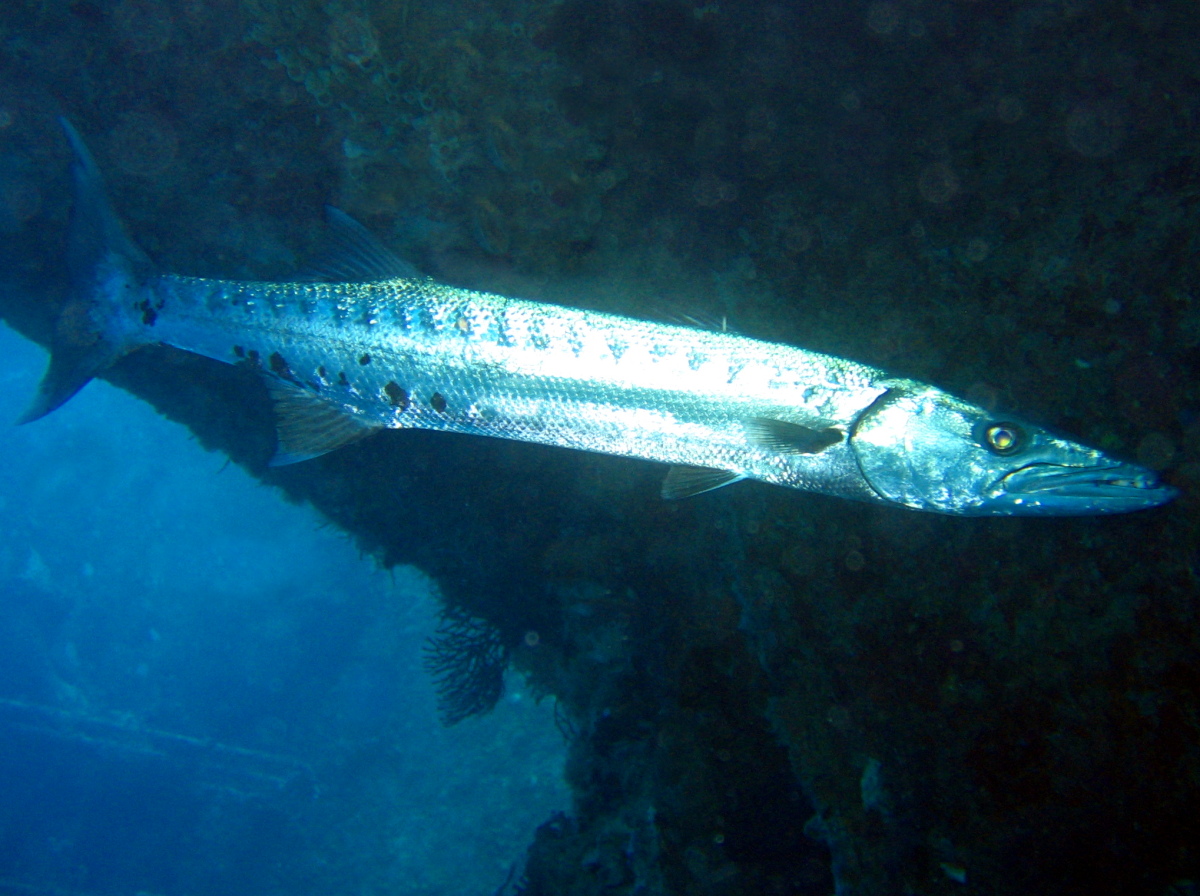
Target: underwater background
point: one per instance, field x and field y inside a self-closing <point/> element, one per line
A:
<point x="201" y="691"/>
<point x="209" y="686"/>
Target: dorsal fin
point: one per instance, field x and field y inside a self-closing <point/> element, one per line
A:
<point x="790" y="438"/>
<point x="307" y="425"/>
<point x="699" y="320"/>
<point x="684" y="482"/>
<point x="353" y="254"/>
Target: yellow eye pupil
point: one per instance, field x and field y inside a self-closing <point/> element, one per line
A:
<point x="1003" y="438"/>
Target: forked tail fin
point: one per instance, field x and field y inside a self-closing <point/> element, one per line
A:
<point x="100" y="320"/>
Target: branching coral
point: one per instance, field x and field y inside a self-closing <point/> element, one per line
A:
<point x="466" y="658"/>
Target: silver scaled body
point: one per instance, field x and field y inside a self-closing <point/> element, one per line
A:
<point x="416" y="354"/>
<point x="373" y="346"/>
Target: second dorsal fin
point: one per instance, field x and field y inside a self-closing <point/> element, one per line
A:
<point x="353" y="254"/>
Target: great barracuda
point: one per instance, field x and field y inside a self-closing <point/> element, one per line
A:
<point x="375" y="346"/>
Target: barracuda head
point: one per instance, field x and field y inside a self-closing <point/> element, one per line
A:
<point x="922" y="448"/>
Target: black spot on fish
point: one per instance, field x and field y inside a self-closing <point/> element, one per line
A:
<point x="396" y="395"/>
<point x="321" y="372"/>
<point x="279" y="366"/>
<point x="148" y="313"/>
<point x="239" y="352"/>
<point x="364" y="360"/>
<point x="342" y="381"/>
<point x="253" y="357"/>
<point x="437" y="402"/>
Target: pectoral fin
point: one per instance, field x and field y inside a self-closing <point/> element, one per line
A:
<point x="791" y="438"/>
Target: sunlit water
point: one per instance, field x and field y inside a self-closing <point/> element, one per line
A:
<point x="151" y="587"/>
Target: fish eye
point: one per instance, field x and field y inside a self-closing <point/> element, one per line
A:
<point x="1003" y="438"/>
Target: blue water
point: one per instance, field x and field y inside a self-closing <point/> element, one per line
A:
<point x="203" y="691"/>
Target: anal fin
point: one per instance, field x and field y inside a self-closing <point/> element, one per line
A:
<point x="683" y="482"/>
<point x="307" y="425"/>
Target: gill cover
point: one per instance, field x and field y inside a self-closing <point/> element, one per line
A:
<point x="928" y="450"/>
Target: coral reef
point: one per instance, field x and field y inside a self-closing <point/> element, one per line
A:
<point x="466" y="659"/>
<point x="440" y="115"/>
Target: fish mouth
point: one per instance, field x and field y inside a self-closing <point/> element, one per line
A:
<point x="1057" y="488"/>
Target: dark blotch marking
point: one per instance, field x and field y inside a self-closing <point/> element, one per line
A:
<point x="342" y="381"/>
<point x="396" y="395"/>
<point x="279" y="366"/>
<point x="437" y="402"/>
<point x="321" y="372"/>
<point x="149" y="315"/>
<point x="239" y="352"/>
<point x="253" y="357"/>
<point x="364" y="360"/>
